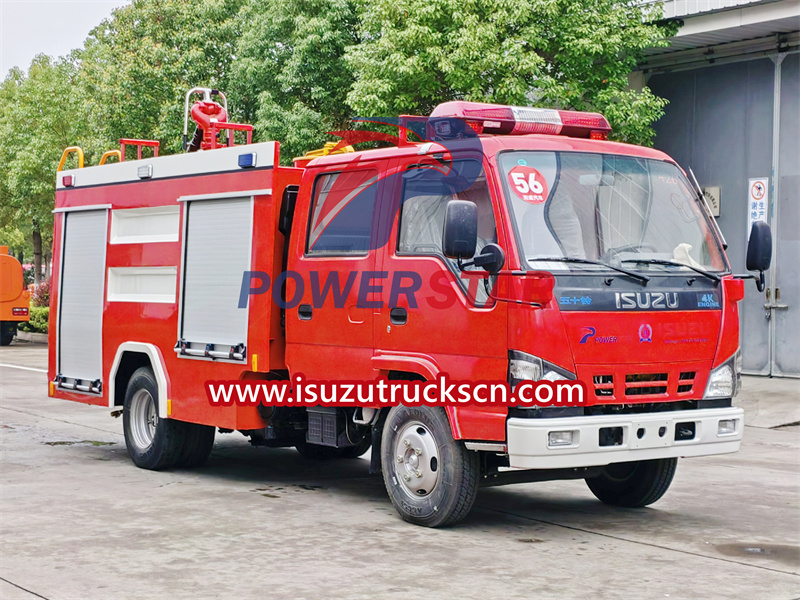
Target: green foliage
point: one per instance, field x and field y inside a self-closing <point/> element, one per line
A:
<point x="136" y="67"/>
<point x="290" y="72"/>
<point x="298" y="69"/>
<point x="40" y="115"/>
<point x="573" y="54"/>
<point x="16" y="240"/>
<point x="40" y="319"/>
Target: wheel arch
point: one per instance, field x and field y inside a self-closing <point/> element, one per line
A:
<point x="129" y="357"/>
<point x="416" y="369"/>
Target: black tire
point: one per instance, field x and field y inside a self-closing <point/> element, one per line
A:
<point x="633" y="484"/>
<point x="166" y="436"/>
<point x="443" y="464"/>
<point x="7" y="332"/>
<point x="197" y="445"/>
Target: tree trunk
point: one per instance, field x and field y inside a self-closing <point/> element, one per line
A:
<point x="37" y="255"/>
<point x="48" y="257"/>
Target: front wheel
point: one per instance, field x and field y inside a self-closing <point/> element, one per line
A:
<point x="431" y="478"/>
<point x="633" y="484"/>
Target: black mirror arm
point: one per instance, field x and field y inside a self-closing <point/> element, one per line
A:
<point x="759" y="279"/>
<point x="478" y="260"/>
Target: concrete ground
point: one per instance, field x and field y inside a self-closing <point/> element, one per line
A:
<point x="79" y="521"/>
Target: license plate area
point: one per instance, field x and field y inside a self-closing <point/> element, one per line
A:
<point x="650" y="434"/>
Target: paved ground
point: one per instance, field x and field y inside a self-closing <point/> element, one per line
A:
<point x="79" y="521"/>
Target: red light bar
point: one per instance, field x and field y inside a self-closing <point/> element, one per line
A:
<point x="19" y="312"/>
<point x="519" y="120"/>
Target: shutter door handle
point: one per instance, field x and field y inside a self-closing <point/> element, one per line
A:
<point x="305" y="312"/>
<point x="398" y="316"/>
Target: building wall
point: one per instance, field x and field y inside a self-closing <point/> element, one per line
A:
<point x="720" y="123"/>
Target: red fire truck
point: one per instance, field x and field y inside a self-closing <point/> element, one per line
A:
<point x="543" y="252"/>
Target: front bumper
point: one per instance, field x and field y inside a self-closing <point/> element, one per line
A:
<point x="528" y="438"/>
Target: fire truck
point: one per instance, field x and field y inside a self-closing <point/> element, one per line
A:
<point x="14" y="298"/>
<point x="487" y="242"/>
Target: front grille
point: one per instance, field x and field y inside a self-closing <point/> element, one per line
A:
<point x="649" y="390"/>
<point x="603" y="386"/>
<point x="614" y="385"/>
<point x="686" y="381"/>
<point x="639" y="377"/>
<point x="640" y="383"/>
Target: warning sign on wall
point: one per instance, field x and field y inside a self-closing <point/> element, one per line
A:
<point x="758" y="198"/>
<point x="711" y="194"/>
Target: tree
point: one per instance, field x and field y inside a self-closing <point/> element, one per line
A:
<point x="572" y="54"/>
<point x="290" y="71"/>
<point x="136" y="67"/>
<point x="40" y="115"/>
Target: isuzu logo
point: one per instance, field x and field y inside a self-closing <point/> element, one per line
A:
<point x="645" y="300"/>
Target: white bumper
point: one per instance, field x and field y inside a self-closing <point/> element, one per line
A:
<point x="528" y="438"/>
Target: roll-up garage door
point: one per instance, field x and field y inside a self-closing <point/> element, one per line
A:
<point x="217" y="253"/>
<point x="80" y="332"/>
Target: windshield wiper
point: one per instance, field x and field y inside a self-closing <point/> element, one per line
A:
<point x="585" y="261"/>
<point x="659" y="261"/>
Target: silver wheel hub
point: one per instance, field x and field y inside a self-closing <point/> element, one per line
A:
<point x="417" y="459"/>
<point x="143" y="419"/>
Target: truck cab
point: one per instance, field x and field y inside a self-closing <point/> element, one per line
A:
<point x="613" y="273"/>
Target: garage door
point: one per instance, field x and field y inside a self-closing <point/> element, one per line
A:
<point x="80" y="332"/>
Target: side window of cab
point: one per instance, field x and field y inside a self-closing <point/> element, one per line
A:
<point x="424" y="203"/>
<point x="342" y="209"/>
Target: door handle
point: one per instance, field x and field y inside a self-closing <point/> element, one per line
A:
<point x="305" y="312"/>
<point x="398" y="316"/>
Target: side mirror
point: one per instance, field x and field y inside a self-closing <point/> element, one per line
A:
<point x="759" y="251"/>
<point x="491" y="259"/>
<point x="460" y="234"/>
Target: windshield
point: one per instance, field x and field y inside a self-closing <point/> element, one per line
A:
<point x="619" y="210"/>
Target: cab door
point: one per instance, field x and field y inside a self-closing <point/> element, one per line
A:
<point x="449" y="321"/>
<point x="329" y="327"/>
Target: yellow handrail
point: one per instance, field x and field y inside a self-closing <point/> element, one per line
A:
<point x="69" y="151"/>
<point x="108" y="154"/>
<point x="328" y="148"/>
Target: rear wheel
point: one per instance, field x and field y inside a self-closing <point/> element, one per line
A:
<point x="431" y="478"/>
<point x="197" y="445"/>
<point x="633" y="484"/>
<point x="152" y="443"/>
<point x="7" y="332"/>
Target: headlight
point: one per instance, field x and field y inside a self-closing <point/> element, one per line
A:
<point x="526" y="367"/>
<point x="723" y="382"/>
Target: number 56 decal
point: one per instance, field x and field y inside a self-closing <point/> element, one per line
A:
<point x="528" y="184"/>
